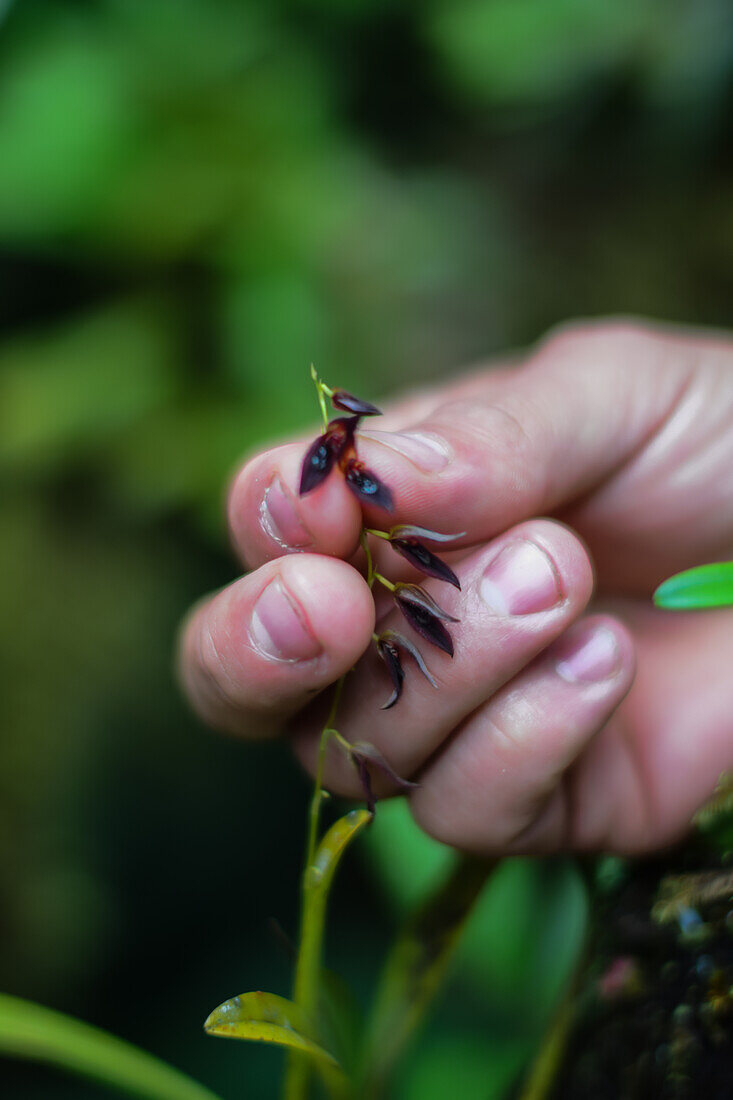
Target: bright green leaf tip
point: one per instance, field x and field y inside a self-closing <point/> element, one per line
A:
<point x="701" y="587"/>
<point x="40" y="1034"/>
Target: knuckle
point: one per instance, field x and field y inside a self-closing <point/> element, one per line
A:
<point x="606" y="339"/>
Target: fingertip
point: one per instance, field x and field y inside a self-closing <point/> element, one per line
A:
<point x="269" y="518"/>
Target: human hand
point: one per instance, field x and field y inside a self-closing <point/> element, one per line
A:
<point x="568" y="718"/>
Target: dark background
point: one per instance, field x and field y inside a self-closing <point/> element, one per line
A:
<point x="197" y="199"/>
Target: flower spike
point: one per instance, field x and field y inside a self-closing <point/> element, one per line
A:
<point x="346" y="401"/>
<point x="366" y="486"/>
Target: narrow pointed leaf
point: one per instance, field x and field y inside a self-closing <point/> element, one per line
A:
<point x="425" y="560"/>
<point x="31" y="1031"/>
<point x="267" y="1018"/>
<point x="349" y="403"/>
<point x="704" y="586"/>
<point x="317" y="884"/>
<point x="416" y="966"/>
<point x="366" y="486"/>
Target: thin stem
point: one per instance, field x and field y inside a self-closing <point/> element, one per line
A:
<point x="370" y="560"/>
<point x="383" y="580"/>
<point x="321" y="390"/>
<point x="377" y="534"/>
<point x="317" y="799"/>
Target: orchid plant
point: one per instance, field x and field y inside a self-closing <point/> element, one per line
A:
<point x="411" y="976"/>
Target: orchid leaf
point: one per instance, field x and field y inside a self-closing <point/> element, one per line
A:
<point x="703" y="586"/>
<point x="40" y="1034"/>
<point x="267" y="1018"/>
<point x="317" y="884"/>
<point x="416" y="967"/>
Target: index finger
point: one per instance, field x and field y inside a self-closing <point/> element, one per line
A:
<point x="523" y="442"/>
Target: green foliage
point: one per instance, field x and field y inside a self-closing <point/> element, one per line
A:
<point x="31" y="1031"/>
<point x="703" y="586"/>
<point x="197" y="199"/>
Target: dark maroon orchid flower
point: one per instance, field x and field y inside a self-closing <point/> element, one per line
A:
<point x="364" y="756"/>
<point x="346" y="401"/>
<point x="366" y="486"/>
<point x="424" y="615"/>
<point x="388" y="648"/>
<point x="325" y="451"/>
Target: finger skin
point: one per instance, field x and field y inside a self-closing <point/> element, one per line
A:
<point x="594" y="407"/>
<point x="258" y="650"/>
<point x="498" y="786"/>
<point x="492" y="644"/>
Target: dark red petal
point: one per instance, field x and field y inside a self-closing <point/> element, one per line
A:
<point x="424" y="560"/>
<point x="366" y="486"/>
<point x="363" y="754"/>
<point x="411" y="531"/>
<point x="389" y="653"/>
<point x="396" y="638"/>
<point x="426" y="624"/>
<point x="366" y="781"/>
<point x="346" y="401"/>
<point x="317" y="464"/>
<point x="323" y="453"/>
<point x="414" y="594"/>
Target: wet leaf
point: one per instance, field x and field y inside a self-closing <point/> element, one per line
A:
<point x="366" y="486"/>
<point x="34" y="1032"/>
<point x="349" y="403"/>
<point x="425" y="560"/>
<point x="703" y="586"/>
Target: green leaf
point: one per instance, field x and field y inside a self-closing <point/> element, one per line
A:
<point x="417" y="965"/>
<point x="316" y="886"/>
<point x="40" y="1034"/>
<point x="267" y="1018"/>
<point x="704" y="586"/>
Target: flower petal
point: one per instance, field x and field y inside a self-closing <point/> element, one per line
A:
<point x="396" y="638"/>
<point x="414" y="594"/>
<point x="411" y="531"/>
<point x="324" y="451"/>
<point x="364" y="755"/>
<point x="346" y="401"/>
<point x="425" y="560"/>
<point x="366" y="486"/>
<point x="317" y="464"/>
<point x="422" y="618"/>
<point x="389" y="653"/>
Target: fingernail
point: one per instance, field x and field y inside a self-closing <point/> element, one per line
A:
<point x="521" y="580"/>
<point x="278" y="627"/>
<point x="587" y="653"/>
<point x="429" y="452"/>
<point x="280" y="519"/>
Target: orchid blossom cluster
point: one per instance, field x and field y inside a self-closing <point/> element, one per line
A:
<point x="336" y="448"/>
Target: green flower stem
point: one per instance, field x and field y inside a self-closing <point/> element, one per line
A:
<point x="383" y="580"/>
<point x="318" y="793"/>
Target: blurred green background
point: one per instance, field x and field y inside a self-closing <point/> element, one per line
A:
<point x="197" y="199"/>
